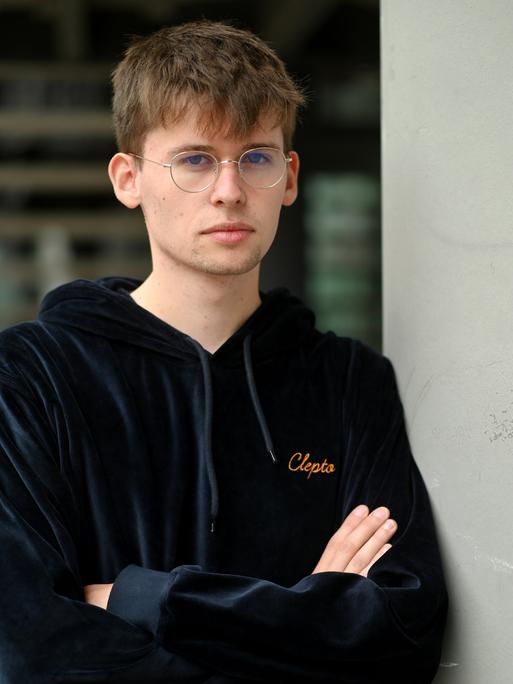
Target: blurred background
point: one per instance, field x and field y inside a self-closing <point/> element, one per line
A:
<point x="59" y="219"/>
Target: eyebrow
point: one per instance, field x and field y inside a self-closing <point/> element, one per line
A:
<point x="192" y="147"/>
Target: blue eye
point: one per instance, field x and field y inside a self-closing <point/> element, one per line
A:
<point x="194" y="161"/>
<point x="197" y="160"/>
<point x="257" y="158"/>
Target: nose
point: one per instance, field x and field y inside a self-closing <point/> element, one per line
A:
<point x="228" y="186"/>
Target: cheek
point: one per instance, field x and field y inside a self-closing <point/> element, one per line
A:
<point x="275" y="206"/>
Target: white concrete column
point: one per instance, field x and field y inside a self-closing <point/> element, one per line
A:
<point x="447" y="75"/>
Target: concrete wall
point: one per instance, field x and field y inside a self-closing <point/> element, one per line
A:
<point x="447" y="74"/>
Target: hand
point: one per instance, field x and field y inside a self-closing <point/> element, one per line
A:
<point x="97" y="594"/>
<point x="359" y="542"/>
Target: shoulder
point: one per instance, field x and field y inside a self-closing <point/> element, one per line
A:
<point x="16" y="343"/>
<point x="27" y="352"/>
<point x="362" y="378"/>
<point x="353" y="358"/>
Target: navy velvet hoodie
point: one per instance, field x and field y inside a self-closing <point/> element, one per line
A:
<point x="206" y="487"/>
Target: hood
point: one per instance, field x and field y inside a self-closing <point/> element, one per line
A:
<point x="104" y="308"/>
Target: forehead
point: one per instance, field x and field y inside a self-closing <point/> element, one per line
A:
<point x="192" y="130"/>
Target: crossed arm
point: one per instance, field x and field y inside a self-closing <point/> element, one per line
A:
<point x="193" y="625"/>
<point x="357" y="544"/>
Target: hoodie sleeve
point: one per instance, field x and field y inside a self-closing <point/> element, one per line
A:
<point x="329" y="627"/>
<point x="47" y="632"/>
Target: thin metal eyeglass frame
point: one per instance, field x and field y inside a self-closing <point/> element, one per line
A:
<point x="169" y="165"/>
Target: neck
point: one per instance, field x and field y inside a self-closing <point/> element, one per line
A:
<point x="208" y="308"/>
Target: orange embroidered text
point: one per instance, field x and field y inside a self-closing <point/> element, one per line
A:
<point x="303" y="463"/>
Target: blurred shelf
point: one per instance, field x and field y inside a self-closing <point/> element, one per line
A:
<point x="54" y="177"/>
<point x="18" y="313"/>
<point x="36" y="124"/>
<point x="23" y="273"/>
<point x="98" y="224"/>
<point x="17" y="70"/>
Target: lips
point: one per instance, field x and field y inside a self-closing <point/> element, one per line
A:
<point x="229" y="233"/>
<point x="229" y="228"/>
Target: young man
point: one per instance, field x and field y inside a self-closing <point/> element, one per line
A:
<point x="196" y="484"/>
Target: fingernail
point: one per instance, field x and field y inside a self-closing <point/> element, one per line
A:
<point x="361" y="511"/>
<point x="381" y="513"/>
<point x="389" y="525"/>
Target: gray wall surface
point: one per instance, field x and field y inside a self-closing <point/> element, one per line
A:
<point x="447" y="77"/>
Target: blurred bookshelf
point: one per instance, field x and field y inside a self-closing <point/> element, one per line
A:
<point x="59" y="219"/>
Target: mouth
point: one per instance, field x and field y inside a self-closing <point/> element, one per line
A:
<point x="229" y="228"/>
<point x="229" y="232"/>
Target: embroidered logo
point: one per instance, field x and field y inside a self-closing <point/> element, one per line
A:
<point x="304" y="464"/>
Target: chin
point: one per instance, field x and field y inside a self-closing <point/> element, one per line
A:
<point x="229" y="267"/>
<point x="228" y="270"/>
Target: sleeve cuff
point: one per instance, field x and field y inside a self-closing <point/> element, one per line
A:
<point x="136" y="596"/>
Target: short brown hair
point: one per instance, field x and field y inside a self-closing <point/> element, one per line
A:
<point x="231" y="74"/>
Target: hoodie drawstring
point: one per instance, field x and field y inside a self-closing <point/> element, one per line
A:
<point x="209" y="459"/>
<point x="207" y="382"/>
<point x="256" y="401"/>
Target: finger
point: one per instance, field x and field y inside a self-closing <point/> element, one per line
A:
<point x="354" y="551"/>
<point x="353" y="519"/>
<point x="367" y="528"/>
<point x="349" y="524"/>
<point x="346" y="542"/>
<point x="343" y="546"/>
<point x="366" y="553"/>
<point x="380" y="553"/>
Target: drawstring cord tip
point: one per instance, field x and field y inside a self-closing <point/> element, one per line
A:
<point x="212" y="524"/>
<point x="271" y="454"/>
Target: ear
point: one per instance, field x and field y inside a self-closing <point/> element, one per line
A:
<point x="123" y="176"/>
<point x="290" y="194"/>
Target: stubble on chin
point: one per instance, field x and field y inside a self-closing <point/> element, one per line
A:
<point x="226" y="266"/>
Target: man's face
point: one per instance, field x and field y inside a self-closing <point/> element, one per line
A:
<point x="225" y="229"/>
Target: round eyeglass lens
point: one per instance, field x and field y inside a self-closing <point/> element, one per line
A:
<point x="193" y="171"/>
<point x="263" y="167"/>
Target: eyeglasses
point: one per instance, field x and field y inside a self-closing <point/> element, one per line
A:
<point x="194" y="171"/>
